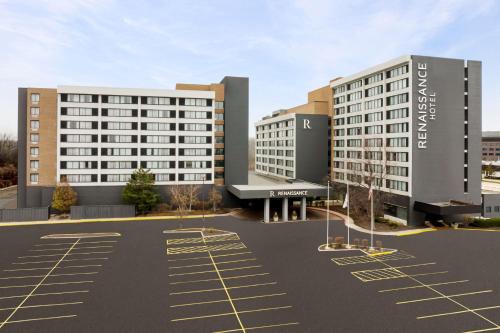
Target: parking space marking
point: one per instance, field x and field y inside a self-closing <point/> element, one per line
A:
<point x="259" y="327"/>
<point x="205" y="248"/>
<point x="215" y="271"/>
<point x="76" y="248"/>
<point x="225" y="278"/>
<point x="207" y="257"/>
<point x="39" y="268"/>
<point x="422" y="286"/>
<point x="225" y="300"/>
<point x="82" y="235"/>
<point x="46" y="284"/>
<point x="35" y="319"/>
<point x="449" y="298"/>
<point x="51" y="261"/>
<point x="393" y="272"/>
<point x="444" y="296"/>
<point x="48" y="294"/>
<point x="205" y="239"/>
<point x="42" y="305"/>
<point x="93" y="242"/>
<point x="219" y="289"/>
<point x="38" y="276"/>
<point x="218" y="263"/>
<point x="458" y="312"/>
<point x="366" y="259"/>
<point x="59" y="254"/>
<point x="231" y="313"/>
<point x="37" y="286"/>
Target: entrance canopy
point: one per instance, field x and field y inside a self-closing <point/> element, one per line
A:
<point x="260" y="187"/>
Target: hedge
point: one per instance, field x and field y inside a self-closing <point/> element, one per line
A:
<point x="486" y="223"/>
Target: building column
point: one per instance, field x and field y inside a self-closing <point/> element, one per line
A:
<point x="284" y="209"/>
<point x="303" y="215"/>
<point x="267" y="204"/>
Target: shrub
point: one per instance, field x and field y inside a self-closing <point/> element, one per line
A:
<point x="139" y="191"/>
<point x="64" y="197"/>
<point x="486" y="223"/>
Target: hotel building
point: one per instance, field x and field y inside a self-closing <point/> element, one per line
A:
<point x="491" y="146"/>
<point x="293" y="143"/>
<point x="412" y="127"/>
<point x="94" y="138"/>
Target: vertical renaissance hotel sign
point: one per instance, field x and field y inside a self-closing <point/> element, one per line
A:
<point x="426" y="105"/>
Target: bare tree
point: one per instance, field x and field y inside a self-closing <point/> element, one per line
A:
<point x="179" y="199"/>
<point x="192" y="192"/>
<point x="214" y="198"/>
<point x="8" y="160"/>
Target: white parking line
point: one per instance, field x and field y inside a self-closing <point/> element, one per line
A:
<point x="46" y="284"/>
<point x="51" y="261"/>
<point x="221" y="262"/>
<point x="60" y="254"/>
<point x="34" y="319"/>
<point x="42" y="305"/>
<point x="225" y="288"/>
<point x="59" y="244"/>
<point x="34" y="269"/>
<point x="216" y="279"/>
<point x="422" y="286"/>
<point x="37" y="276"/>
<point x="47" y="294"/>
<point x="445" y="296"/>
<point x="458" y="312"/>
<point x="76" y="248"/>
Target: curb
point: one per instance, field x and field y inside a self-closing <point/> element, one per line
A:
<point x="366" y="231"/>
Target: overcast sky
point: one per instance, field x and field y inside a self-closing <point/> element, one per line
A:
<point x="286" y="48"/>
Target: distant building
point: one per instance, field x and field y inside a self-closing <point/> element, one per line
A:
<point x="294" y="143"/>
<point x="491" y="146"/>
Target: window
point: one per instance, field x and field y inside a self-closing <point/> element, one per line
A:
<point x="374" y="78"/>
<point x="120" y="100"/>
<point x="354" y="143"/>
<point x="377" y="129"/>
<point x="34" y="177"/>
<point x="195" y="127"/>
<point x="158" y="126"/>
<point x="338" y="143"/>
<point x="396" y="211"/>
<point x="354" y="108"/>
<point x="397" y="128"/>
<point x="373" y="155"/>
<point x="397" y="85"/>
<point x="354" y="119"/>
<point x="397" y="156"/>
<point x="77" y="138"/>
<point x="375" y="116"/>
<point x="195" y="177"/>
<point x="194" y="102"/>
<point x="219" y="128"/>
<point x="354" y="85"/>
<point x="397" y="171"/>
<point x="219" y="105"/>
<point x="194" y="139"/>
<point x="488" y="209"/>
<point x="219" y="116"/>
<point x="35" y="98"/>
<point x="78" y="151"/>
<point x="339" y="89"/>
<point x="397" y="142"/>
<point x="354" y="96"/>
<point x="157" y="139"/>
<point x="376" y="103"/>
<point x="112" y="125"/>
<point x="354" y="131"/>
<point x="76" y="98"/>
<point x="219" y="139"/>
<point x="79" y="178"/>
<point x="78" y="125"/>
<point x="118" y="164"/>
<point x="34" y="164"/>
<point x="34" y="151"/>
<point x="397" y="185"/>
<point x="35" y="112"/>
<point x="118" y="138"/>
<point x="195" y="114"/>
<point x="377" y="142"/>
<point x="397" y="113"/>
<point x="158" y="101"/>
<point x="78" y="164"/>
<point x="157" y="152"/>
<point x="158" y="164"/>
<point x="158" y="113"/>
<point x="34" y="138"/>
<point x="119" y="112"/>
<point x="339" y="100"/>
<point x="79" y="111"/>
<point x="35" y="125"/>
<point x="120" y="178"/>
<point x="164" y="177"/>
<point x="397" y="99"/>
<point x="339" y="111"/>
<point x="374" y="91"/>
<point x="194" y="164"/>
<point x="397" y="71"/>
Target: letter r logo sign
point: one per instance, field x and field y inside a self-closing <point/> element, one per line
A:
<point x="307" y="124"/>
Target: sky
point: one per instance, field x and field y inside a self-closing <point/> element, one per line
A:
<point x="286" y="48"/>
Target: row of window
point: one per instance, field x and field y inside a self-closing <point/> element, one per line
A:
<point x="121" y="125"/>
<point x="287" y="153"/>
<point x="278" y="171"/>
<point x="270" y="160"/>
<point x="372" y="142"/>
<point x="132" y="164"/>
<point x="278" y="124"/>
<point x="120" y="178"/>
<point x="277" y="143"/>
<point x="84" y="151"/>
<point x="373" y="155"/>
<point x="374" y="129"/>
<point x="276" y="134"/>
<point x="120" y="99"/>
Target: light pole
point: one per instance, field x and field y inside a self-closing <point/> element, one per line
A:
<point x="327" y="212"/>
<point x="203" y="201"/>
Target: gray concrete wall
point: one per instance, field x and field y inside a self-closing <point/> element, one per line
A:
<point x="24" y="214"/>
<point x="102" y="211"/>
<point x="236" y="130"/>
<point x="491" y="200"/>
<point x="438" y="169"/>
<point x="311" y="148"/>
<point x="475" y="130"/>
<point x="21" y="146"/>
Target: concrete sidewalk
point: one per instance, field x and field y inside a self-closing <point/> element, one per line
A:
<point x="353" y="226"/>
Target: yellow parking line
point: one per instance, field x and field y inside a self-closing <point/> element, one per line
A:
<point x="381" y="253"/>
<point x="214" y="271"/>
<point x="231" y="313"/>
<point x="415" y="232"/>
<point x="422" y="286"/>
<point x="46" y="284"/>
<point x="225" y="288"/>
<point x="59" y="244"/>
<point x="37" y="276"/>
<point x="207" y="257"/>
<point x="216" y="279"/>
<point x="48" y="294"/>
<point x="71" y="254"/>
<point x="35" y="319"/>
<point x="258" y="327"/>
<point x="458" y="312"/>
<point x="41" y="305"/>
<point x="225" y="300"/>
<point x="34" y="269"/>
<point x="50" y="261"/>
<point x="76" y="248"/>
<point x="446" y="296"/>
<point x="496" y="328"/>
<point x="37" y="286"/>
<point x="221" y="262"/>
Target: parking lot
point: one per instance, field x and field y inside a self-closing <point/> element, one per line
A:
<point x="145" y="276"/>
